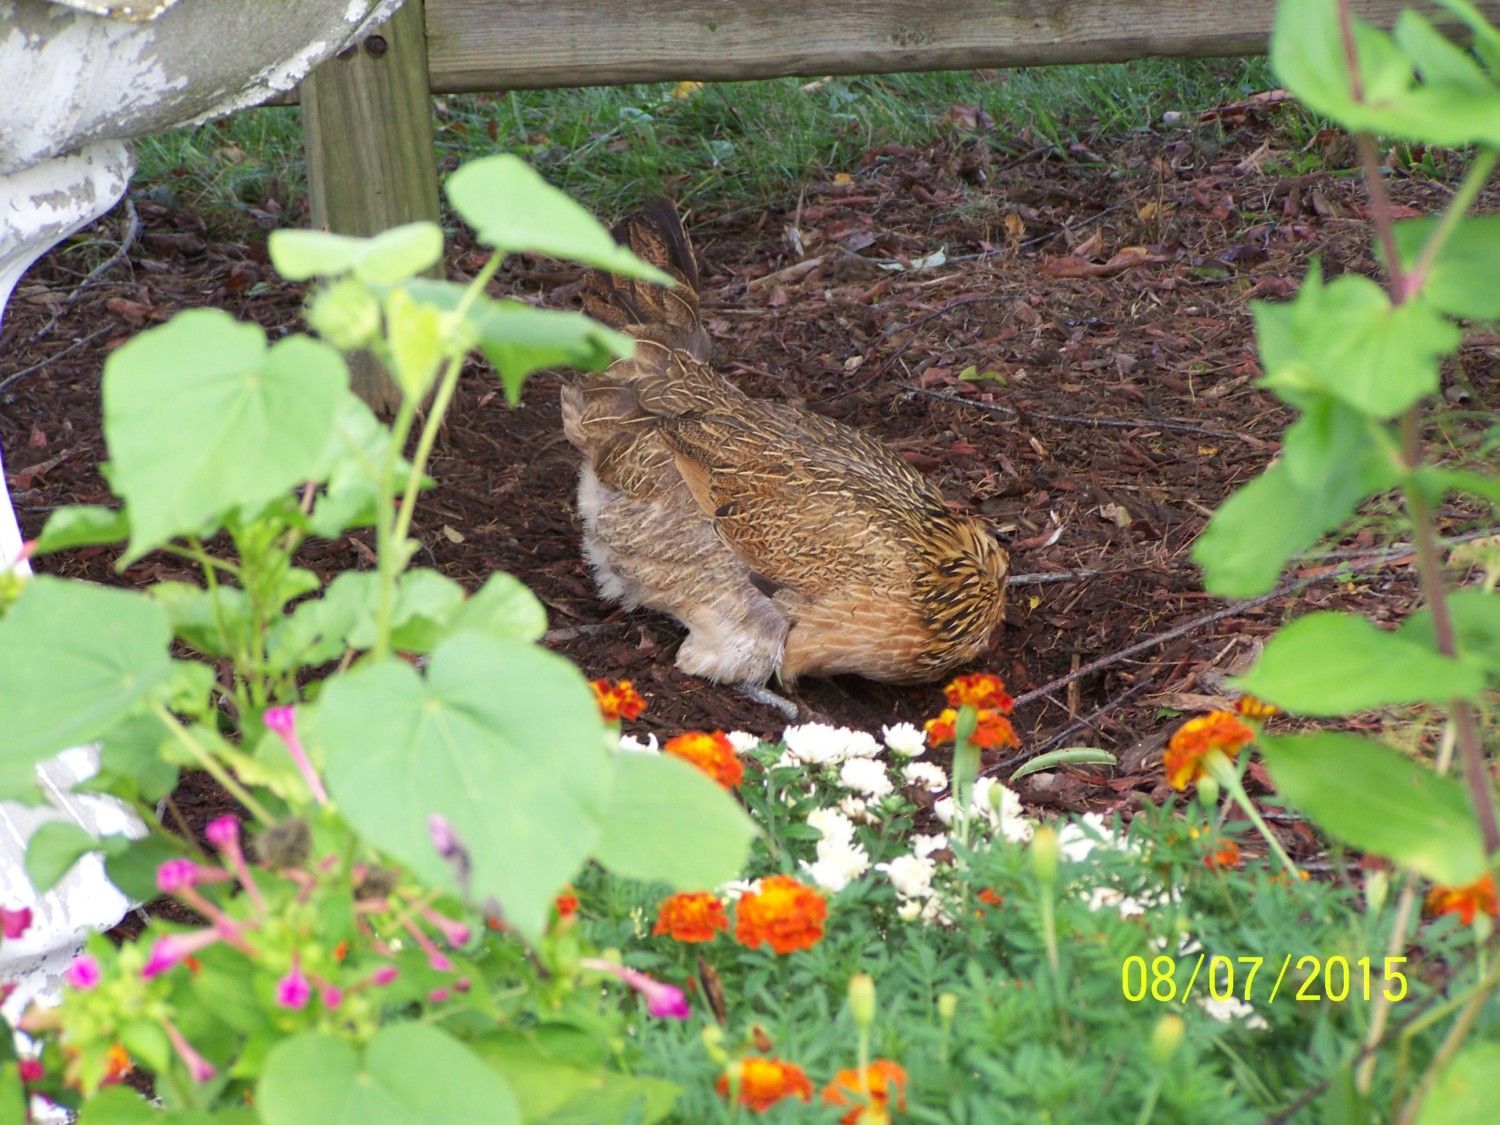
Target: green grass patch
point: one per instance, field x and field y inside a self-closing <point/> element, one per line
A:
<point x="736" y="143"/>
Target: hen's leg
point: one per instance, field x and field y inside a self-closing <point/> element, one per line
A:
<point x="759" y="693"/>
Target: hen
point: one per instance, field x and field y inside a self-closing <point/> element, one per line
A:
<point x="786" y="542"/>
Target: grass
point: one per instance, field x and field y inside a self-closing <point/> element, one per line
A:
<point x="733" y="143"/>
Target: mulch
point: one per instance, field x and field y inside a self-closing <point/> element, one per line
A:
<point x="1079" y="367"/>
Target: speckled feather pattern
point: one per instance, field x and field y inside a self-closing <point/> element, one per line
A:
<point x="789" y="544"/>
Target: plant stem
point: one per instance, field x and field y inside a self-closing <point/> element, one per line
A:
<point x="211" y="765"/>
<point x="385" y="543"/>
<point x="1222" y="771"/>
<point x="1452" y="1042"/>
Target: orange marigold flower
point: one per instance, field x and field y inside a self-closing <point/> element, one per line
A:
<point x="1196" y="739"/>
<point x="117" y="1064"/>
<point x="1248" y="707"/>
<point x="780" y="911"/>
<point x="566" y="904"/>
<point x="990" y="897"/>
<point x="983" y="689"/>
<point x="1467" y="902"/>
<point x="764" y="1082"/>
<point x="695" y="916"/>
<point x="992" y="730"/>
<point x="712" y="753"/>
<point x="885" y="1081"/>
<point x="341" y="950"/>
<point x="617" y="701"/>
<point x="1227" y="854"/>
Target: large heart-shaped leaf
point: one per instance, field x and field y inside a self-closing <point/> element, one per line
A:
<point x="408" y="1074"/>
<point x="82" y="525"/>
<point x="76" y="659"/>
<point x="203" y="418"/>
<point x="669" y="822"/>
<point x="1339" y="663"/>
<point x="1461" y="281"/>
<point x="1372" y="798"/>
<point x="513" y="209"/>
<point x="383" y="259"/>
<point x="502" y="739"/>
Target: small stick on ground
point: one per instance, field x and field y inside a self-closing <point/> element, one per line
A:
<point x="1118" y="423"/>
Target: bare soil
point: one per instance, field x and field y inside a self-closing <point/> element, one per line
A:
<point x="1102" y="296"/>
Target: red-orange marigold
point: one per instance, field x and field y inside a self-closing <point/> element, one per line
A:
<point x="1467" y="902"/>
<point x="1248" y="707"/>
<point x="712" y="753"/>
<point x="984" y="690"/>
<point x="764" y="1082"/>
<point x="695" y="916"/>
<point x="566" y="904"/>
<point x="992" y="730"/>
<point x="617" y="701"/>
<point x="885" y="1081"/>
<point x="781" y="911"/>
<point x="1227" y="854"/>
<point x="1196" y="739"/>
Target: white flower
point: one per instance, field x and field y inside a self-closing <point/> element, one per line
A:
<point x="1109" y="898"/>
<point x="743" y="741"/>
<point x="1079" y="838"/>
<point x="834" y="825"/>
<point x="1231" y="1009"/>
<point x="930" y="777"/>
<point x="736" y="887"/>
<point x="909" y="909"/>
<point x="859" y="744"/>
<point x="994" y="805"/>
<point x="629" y="744"/>
<point x="905" y="740"/>
<point x="855" y="809"/>
<point x="910" y="875"/>
<point x="815" y="744"/>
<point x="924" y="846"/>
<point x="838" y="864"/>
<point x="865" y="775"/>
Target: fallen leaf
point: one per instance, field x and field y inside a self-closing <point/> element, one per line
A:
<point x="686" y="89"/>
<point x="1073" y="266"/>
<point x="842" y="179"/>
<point x="451" y="535"/>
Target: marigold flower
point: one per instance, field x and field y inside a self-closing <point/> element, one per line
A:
<point x="566" y="904"/>
<point x="1227" y="854"/>
<point x="780" y="911"/>
<point x="117" y="1064"/>
<point x="696" y="916"/>
<point x="1248" y="707"/>
<point x="885" y="1081"/>
<point x="765" y="1081"/>
<point x="990" y="897"/>
<point x="984" y="690"/>
<point x="1196" y="739"/>
<point x="617" y="701"/>
<point x="712" y="753"/>
<point x="992" y="730"/>
<point x="1468" y="902"/>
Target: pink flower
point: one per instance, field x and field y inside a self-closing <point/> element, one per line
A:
<point x="294" y="990"/>
<point x="223" y="831"/>
<point x="437" y="995"/>
<point x="83" y="974"/>
<point x="384" y="975"/>
<point x="664" y="1001"/>
<point x="176" y="875"/>
<point x="31" y="1070"/>
<point x="435" y="957"/>
<point x="282" y="721"/>
<point x="169" y="949"/>
<point x="14" y="923"/>
<point x="332" y="995"/>
<point x="454" y="933"/>
<point x="199" y="1067"/>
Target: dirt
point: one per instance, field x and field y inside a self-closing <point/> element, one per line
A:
<point x="1100" y="297"/>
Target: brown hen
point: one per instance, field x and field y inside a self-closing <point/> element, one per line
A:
<point x="786" y="542"/>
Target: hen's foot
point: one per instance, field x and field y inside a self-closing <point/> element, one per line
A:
<point x="759" y="693"/>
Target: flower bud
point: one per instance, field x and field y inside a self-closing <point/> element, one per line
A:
<point x="1377" y="887"/>
<point x="713" y="1043"/>
<point x="1208" y="793"/>
<point x="346" y="314"/>
<point x="862" y="999"/>
<point x="1045" y="852"/>
<point x="947" y="1007"/>
<point x="1165" y="1038"/>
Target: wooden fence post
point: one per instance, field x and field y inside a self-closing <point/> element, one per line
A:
<point x="371" y="158"/>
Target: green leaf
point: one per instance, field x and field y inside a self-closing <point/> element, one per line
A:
<point x="1339" y="663"/>
<point x="518" y="339"/>
<point x="119" y="1105"/>
<point x="503" y="739"/>
<point x="1486" y="35"/>
<point x="504" y="608"/>
<point x="385" y="259"/>
<point x="52" y="851"/>
<point x="131" y="763"/>
<point x="554" y="1088"/>
<point x="82" y="525"/>
<point x="1370" y="797"/>
<point x="1476" y="629"/>
<point x="514" y="210"/>
<point x="1437" y="482"/>
<point x="215" y="624"/>
<point x="1438" y="61"/>
<point x="1067" y="756"/>
<point x="418" y="343"/>
<point x="77" y="659"/>
<point x="1462" y="280"/>
<point x="202" y="419"/>
<point x="669" y="822"/>
<point x="351" y="463"/>
<point x="408" y="1074"/>
<point x="1345" y="339"/>
<point x="1465" y="1089"/>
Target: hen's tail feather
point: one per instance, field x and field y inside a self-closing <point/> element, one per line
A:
<point x="654" y="234"/>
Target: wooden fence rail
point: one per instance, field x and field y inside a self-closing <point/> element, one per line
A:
<point x="368" y="126"/>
